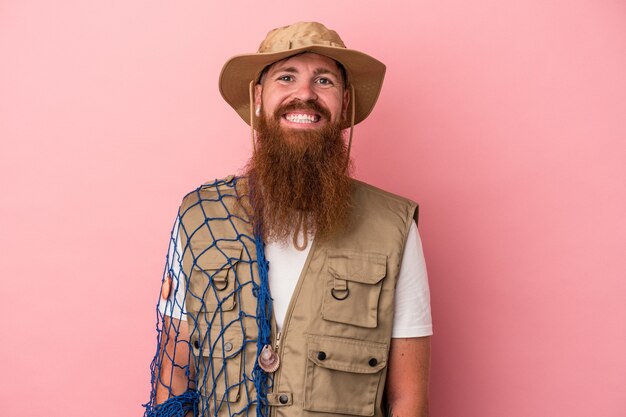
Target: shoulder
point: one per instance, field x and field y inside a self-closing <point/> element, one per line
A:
<point x="364" y="187"/>
<point x="214" y="190"/>
<point x="380" y="200"/>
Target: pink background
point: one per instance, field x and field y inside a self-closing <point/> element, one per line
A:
<point x="504" y="119"/>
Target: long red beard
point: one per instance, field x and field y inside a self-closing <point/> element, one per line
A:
<point x="299" y="179"/>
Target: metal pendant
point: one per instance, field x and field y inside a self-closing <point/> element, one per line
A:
<point x="268" y="359"/>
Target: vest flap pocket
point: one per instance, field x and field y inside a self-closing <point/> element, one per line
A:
<point x="218" y="360"/>
<point x="223" y="345"/>
<point x="353" y="284"/>
<point x="212" y="279"/>
<point x="215" y="257"/>
<point x="343" y="376"/>
<point x="367" y="268"/>
<point x="347" y="355"/>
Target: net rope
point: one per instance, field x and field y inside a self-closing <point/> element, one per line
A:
<point x="202" y="363"/>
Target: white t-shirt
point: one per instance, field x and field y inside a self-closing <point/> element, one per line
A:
<point x="412" y="316"/>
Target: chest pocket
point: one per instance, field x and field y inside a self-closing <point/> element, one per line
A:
<point x="353" y="284"/>
<point x="212" y="282"/>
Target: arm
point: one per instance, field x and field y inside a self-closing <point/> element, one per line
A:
<point x="407" y="377"/>
<point x="172" y="379"/>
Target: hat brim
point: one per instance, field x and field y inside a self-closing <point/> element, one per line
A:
<point x="365" y="74"/>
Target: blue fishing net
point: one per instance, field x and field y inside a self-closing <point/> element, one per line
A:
<point x="207" y="328"/>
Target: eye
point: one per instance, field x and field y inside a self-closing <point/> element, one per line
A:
<point x="324" y="81"/>
<point x="285" y="78"/>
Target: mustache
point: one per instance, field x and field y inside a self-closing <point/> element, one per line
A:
<point x="302" y="105"/>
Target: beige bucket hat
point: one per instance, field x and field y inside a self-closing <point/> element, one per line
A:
<point x="364" y="73"/>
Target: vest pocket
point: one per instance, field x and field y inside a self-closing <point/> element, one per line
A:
<point x="353" y="286"/>
<point x="212" y="279"/>
<point x="342" y="375"/>
<point x="218" y="361"/>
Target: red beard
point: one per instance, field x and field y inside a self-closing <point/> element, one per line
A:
<point x="299" y="178"/>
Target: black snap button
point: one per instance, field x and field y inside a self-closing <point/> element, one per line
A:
<point x="196" y="344"/>
<point x="321" y="355"/>
<point x="283" y="399"/>
<point x="373" y="362"/>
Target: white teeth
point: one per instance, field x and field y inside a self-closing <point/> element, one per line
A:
<point x="302" y="118"/>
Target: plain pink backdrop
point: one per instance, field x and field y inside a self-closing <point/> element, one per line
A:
<point x="504" y="119"/>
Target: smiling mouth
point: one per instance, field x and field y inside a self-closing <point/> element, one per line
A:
<point x="302" y="118"/>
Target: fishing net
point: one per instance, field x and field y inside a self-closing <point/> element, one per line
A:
<point x="214" y="313"/>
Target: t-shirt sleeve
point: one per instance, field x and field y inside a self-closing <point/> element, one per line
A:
<point x="412" y="316"/>
<point x="174" y="305"/>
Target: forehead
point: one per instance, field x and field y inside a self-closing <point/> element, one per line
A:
<point x="306" y="59"/>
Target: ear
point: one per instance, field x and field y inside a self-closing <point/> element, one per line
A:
<point x="258" y="93"/>
<point x="346" y="103"/>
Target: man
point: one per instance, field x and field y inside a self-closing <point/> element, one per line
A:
<point x="294" y="290"/>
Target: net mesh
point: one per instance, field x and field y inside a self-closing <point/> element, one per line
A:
<point x="214" y="313"/>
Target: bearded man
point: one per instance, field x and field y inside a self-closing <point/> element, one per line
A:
<point x="294" y="290"/>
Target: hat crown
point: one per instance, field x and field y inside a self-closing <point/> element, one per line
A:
<point x="300" y="35"/>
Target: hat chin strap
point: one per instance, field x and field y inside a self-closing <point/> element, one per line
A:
<point x="352" y="117"/>
<point x="251" y="96"/>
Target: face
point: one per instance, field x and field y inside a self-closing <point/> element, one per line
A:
<point x="303" y="92"/>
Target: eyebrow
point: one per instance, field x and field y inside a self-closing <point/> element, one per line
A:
<point x="294" y="70"/>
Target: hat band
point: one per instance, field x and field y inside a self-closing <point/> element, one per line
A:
<point x="300" y="43"/>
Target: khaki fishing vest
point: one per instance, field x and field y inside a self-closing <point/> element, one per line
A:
<point x="335" y="339"/>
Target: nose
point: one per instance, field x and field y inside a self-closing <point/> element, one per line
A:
<point x="305" y="92"/>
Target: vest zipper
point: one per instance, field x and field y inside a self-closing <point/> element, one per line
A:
<point x="277" y="346"/>
<point x="281" y="334"/>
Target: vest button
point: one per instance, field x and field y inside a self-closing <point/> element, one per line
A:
<point x="373" y="362"/>
<point x="283" y="399"/>
<point x="321" y="355"/>
<point x="228" y="346"/>
<point x="196" y="345"/>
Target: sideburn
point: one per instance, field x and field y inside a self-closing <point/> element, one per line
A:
<point x="299" y="179"/>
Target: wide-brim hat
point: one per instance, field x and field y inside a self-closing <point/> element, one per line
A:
<point x="364" y="73"/>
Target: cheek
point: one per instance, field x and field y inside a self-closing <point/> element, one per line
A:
<point x="272" y="99"/>
<point x="337" y="108"/>
<point x="268" y="105"/>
